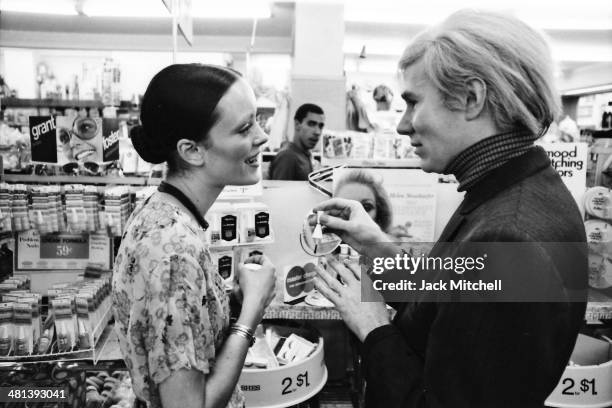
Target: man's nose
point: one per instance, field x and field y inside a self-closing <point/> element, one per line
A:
<point x="404" y="127"/>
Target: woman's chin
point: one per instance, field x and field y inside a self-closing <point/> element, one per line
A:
<point x="247" y="180"/>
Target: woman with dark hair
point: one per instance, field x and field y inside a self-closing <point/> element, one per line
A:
<point x="170" y="306"/>
<point x="362" y="186"/>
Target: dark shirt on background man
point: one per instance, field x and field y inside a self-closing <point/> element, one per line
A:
<point x="291" y="163"/>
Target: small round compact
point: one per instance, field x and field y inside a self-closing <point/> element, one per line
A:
<point x="317" y="241"/>
<point x="598" y="202"/>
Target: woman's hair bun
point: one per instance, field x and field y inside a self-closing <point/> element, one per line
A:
<point x="147" y="146"/>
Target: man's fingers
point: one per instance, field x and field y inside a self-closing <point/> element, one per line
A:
<point x="347" y="276"/>
<point x="323" y="289"/>
<point x="356" y="269"/>
<point x="331" y="282"/>
<point x="334" y="204"/>
<point x="336" y="223"/>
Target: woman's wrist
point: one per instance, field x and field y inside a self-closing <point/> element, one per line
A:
<point x="249" y="316"/>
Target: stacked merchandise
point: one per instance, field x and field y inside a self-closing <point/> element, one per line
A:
<point x="77" y="314"/>
<point x="237" y="231"/>
<point x="364" y="146"/>
<point x="92" y="213"/>
<point x="19" y="208"/>
<point x="117" y="209"/>
<point x="81" y="212"/>
<point x="5" y="207"/>
<point x="598" y="207"/>
<point x="75" y="208"/>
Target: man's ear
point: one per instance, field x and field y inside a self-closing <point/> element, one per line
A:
<point x="475" y="98"/>
<point x="191" y="151"/>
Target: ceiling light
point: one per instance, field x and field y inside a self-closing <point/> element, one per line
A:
<point x="58" y="7"/>
<point x="214" y="9"/>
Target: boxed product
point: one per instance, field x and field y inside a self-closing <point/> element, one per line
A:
<point x="254" y="222"/>
<point x="223" y="220"/>
<point x="298" y="281"/>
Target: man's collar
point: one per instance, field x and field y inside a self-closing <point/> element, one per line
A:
<point x="298" y="149"/>
<point x="504" y="176"/>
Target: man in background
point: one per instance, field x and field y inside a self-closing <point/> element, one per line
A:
<point x="294" y="161"/>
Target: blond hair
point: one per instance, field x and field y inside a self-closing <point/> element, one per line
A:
<point x="511" y="58"/>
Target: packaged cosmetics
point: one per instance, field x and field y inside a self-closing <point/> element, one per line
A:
<point x="6" y="328"/>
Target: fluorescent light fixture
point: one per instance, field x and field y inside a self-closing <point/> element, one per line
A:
<point x="215" y="9"/>
<point x="57" y="7"/>
<point x="565" y="15"/>
<point x="232" y="9"/>
<point x="123" y="8"/>
<point x="588" y="90"/>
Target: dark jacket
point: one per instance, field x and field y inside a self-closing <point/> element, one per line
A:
<point x="488" y="354"/>
<point x="291" y="163"/>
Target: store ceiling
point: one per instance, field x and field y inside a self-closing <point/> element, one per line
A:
<point x="280" y="24"/>
<point x="588" y="39"/>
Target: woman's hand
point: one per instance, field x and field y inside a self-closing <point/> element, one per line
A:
<point x="348" y="219"/>
<point x="257" y="287"/>
<point x="360" y="317"/>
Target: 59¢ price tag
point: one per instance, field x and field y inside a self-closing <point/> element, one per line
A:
<point x="585" y="386"/>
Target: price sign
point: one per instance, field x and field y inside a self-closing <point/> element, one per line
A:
<point x="61" y="251"/>
<point x="291" y="384"/>
<point x="579" y="387"/>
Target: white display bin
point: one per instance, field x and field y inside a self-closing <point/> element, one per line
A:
<point x="588" y="384"/>
<point x="290" y="384"/>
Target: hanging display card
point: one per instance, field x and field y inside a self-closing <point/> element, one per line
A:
<point x="570" y="161"/>
<point x="412" y="194"/>
<point x="42" y="139"/>
<point x="61" y="251"/>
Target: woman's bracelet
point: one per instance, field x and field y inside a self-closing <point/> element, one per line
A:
<point x="243" y="331"/>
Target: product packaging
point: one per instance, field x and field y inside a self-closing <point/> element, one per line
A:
<point x="85" y="331"/>
<point x="261" y="355"/>
<point x="5" y="207"/>
<point x="298" y="281"/>
<point x="223" y="220"/>
<point x="294" y="349"/>
<point x="6" y="328"/>
<point x="36" y="322"/>
<point x="224" y="264"/>
<point x="76" y="219"/>
<point x="254" y="222"/>
<point x="64" y="326"/>
<point x="23" y="338"/>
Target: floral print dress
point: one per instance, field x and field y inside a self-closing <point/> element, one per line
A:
<point x="170" y="306"/>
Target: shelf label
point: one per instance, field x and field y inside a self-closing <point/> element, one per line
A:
<point x="61" y="251"/>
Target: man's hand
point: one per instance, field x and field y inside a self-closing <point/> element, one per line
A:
<point x="360" y="317"/>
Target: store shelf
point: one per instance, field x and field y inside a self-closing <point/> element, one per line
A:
<point x="50" y="103"/>
<point x="28" y="178"/>
<point x="87" y="354"/>
<point x="373" y="163"/>
<point x="300" y="311"/>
